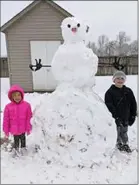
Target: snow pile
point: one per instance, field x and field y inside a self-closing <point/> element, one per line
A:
<point x="74" y="131"/>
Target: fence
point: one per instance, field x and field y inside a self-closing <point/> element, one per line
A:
<point x="105" y="66"/>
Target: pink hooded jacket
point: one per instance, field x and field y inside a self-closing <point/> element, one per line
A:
<point x="17" y="116"/>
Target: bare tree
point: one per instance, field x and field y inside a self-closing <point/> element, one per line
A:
<point x="118" y="47"/>
<point x="93" y="46"/>
<point x="133" y="47"/>
<point x="122" y="43"/>
<point x="111" y="48"/>
<point x="125" y="49"/>
<point x="102" y="42"/>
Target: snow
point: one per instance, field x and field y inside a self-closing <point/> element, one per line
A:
<point x="74" y="109"/>
<point x="46" y="166"/>
<point x="79" y="67"/>
<point x="72" y="126"/>
<point x="73" y="63"/>
<point x="79" y="33"/>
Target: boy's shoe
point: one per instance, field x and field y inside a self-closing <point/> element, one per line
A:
<point x="119" y="146"/>
<point x="126" y="148"/>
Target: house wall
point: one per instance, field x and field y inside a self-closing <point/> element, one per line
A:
<point x="4" y="72"/>
<point x="41" y="23"/>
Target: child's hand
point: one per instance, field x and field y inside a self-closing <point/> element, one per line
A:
<point x="132" y="120"/>
<point x="6" y="138"/>
<point x="28" y="133"/>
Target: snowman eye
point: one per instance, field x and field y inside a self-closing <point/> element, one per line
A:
<point x="69" y="25"/>
<point x="78" y="25"/>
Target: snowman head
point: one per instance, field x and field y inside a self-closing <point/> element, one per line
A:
<point x="73" y="30"/>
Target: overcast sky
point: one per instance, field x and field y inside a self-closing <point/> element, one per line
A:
<point x="106" y="17"/>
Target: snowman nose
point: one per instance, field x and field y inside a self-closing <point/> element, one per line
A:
<point x="74" y="29"/>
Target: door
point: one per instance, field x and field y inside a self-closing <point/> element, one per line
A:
<point x="43" y="79"/>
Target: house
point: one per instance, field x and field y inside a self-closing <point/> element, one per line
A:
<point x="4" y="67"/>
<point x="31" y="35"/>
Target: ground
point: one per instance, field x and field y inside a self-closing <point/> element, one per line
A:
<point x="115" y="167"/>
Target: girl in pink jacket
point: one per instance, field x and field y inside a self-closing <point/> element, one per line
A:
<point x="17" y="116"/>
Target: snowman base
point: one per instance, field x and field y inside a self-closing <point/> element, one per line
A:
<point x="74" y="126"/>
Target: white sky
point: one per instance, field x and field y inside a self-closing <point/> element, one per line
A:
<point x="106" y="17"/>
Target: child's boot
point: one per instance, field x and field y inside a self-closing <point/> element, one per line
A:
<point x="126" y="148"/>
<point x="119" y="146"/>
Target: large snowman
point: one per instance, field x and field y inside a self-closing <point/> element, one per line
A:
<point x="75" y="123"/>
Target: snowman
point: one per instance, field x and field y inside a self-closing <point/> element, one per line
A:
<point x="73" y="119"/>
<point x="74" y="64"/>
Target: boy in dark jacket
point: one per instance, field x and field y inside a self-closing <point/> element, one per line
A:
<point x="121" y="102"/>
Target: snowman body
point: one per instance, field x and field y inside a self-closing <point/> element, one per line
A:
<point x="75" y="64"/>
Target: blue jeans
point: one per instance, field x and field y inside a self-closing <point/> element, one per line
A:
<point x="122" y="136"/>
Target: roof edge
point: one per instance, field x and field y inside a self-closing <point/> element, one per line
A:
<point x="58" y="7"/>
<point x="28" y="8"/>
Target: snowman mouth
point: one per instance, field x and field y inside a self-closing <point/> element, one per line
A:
<point x="74" y="30"/>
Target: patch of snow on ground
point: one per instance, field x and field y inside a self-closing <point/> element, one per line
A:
<point x="43" y="165"/>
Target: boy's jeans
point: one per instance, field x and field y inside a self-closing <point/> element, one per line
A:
<point x="122" y="136"/>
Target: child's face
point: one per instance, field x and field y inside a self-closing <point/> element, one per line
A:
<point x="17" y="97"/>
<point x="119" y="82"/>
